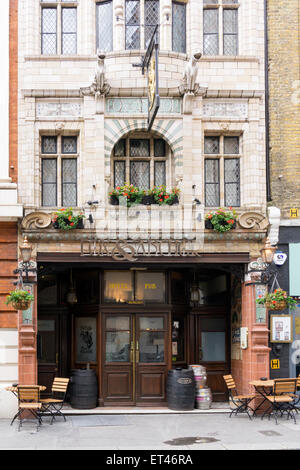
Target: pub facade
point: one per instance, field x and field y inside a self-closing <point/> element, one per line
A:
<point x="141" y="288"/>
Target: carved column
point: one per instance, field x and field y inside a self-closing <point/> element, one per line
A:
<point x="166" y="26"/>
<point x="119" y="25"/>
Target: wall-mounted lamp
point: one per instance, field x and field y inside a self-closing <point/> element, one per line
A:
<point x="26" y="265"/>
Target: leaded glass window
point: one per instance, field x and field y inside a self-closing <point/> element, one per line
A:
<point x="59" y="173"/>
<point x="69" y="182"/>
<point x="211" y="31"/>
<point x="220" y="27"/>
<point x="151" y="19"/>
<point x="49" y="182"/>
<point x="69" y="31"/>
<point x="132" y="18"/>
<point x="232" y="181"/>
<point x="230" y="32"/>
<point x="222" y="173"/>
<point x="58" y="28"/>
<point x="178" y="27"/>
<point x="140" y="174"/>
<point x="143" y="162"/>
<point x="212" y="183"/>
<point x="49" y="31"/>
<point x="105" y="26"/>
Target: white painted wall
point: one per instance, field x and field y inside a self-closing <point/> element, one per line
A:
<point x="8" y="371"/>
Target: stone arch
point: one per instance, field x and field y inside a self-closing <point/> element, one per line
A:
<point x="169" y="129"/>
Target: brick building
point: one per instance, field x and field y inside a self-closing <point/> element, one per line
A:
<point x="10" y="210"/>
<point x="135" y="292"/>
<point x="284" y="160"/>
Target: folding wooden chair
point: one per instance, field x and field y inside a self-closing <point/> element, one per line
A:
<point x="282" y="400"/>
<point x="29" y="402"/>
<point x="54" y="404"/>
<point x="241" y="402"/>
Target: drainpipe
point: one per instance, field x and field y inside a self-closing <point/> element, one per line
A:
<point x="267" y="116"/>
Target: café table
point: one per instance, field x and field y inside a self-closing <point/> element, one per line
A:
<point x="263" y="388"/>
<point x="14" y="390"/>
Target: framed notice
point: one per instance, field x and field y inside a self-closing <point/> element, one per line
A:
<point x="281" y="328"/>
<point x="86" y="339"/>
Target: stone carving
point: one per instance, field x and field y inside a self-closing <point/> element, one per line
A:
<point x="58" y="109"/>
<point x="189" y="83"/>
<point x="225" y="109"/>
<point x="250" y="220"/>
<point x="140" y="106"/>
<point x="36" y="221"/>
<point x="100" y="86"/>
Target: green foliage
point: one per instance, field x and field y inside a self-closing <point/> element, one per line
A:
<point x="279" y="295"/>
<point x="66" y="220"/>
<point x="19" y="296"/>
<point x="223" y="219"/>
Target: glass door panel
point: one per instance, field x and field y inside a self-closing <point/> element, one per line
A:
<point x="117" y="339"/>
<point x="152" y="346"/>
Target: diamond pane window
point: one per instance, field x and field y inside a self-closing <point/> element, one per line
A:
<point x="151" y="18"/>
<point x="212" y="183"/>
<point x="132" y="18"/>
<point x="210" y="2"/>
<point x="49" y="182"/>
<point x="212" y="145"/>
<point x="69" y="182"/>
<point x="231" y="145"/>
<point x="232" y="181"/>
<point x="159" y="148"/>
<point x="49" y="144"/>
<point x="105" y="26"/>
<point x="211" y="32"/>
<point x="229" y="2"/>
<point x="120" y="148"/>
<point x="159" y="173"/>
<point x="69" y="31"/>
<point x="69" y="145"/>
<point x="140" y="174"/>
<point x="230" y="29"/>
<point x="139" y="148"/>
<point x="119" y="173"/>
<point x="178" y="27"/>
<point x="49" y="31"/>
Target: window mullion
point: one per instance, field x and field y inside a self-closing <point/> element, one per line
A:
<point x="221" y="32"/>
<point x="142" y="24"/>
<point x="59" y="180"/>
<point x="59" y="29"/>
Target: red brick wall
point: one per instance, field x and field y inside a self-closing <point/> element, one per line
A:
<point x="8" y="263"/>
<point x="13" y="91"/>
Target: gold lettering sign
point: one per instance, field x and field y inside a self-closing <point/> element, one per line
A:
<point x="150" y="286"/>
<point x="119" y="286"/>
<point x="151" y="83"/>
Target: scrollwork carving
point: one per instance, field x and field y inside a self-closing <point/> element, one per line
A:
<point x="36" y="221"/>
<point x="253" y="220"/>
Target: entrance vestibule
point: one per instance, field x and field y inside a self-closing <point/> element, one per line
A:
<point x="132" y="325"/>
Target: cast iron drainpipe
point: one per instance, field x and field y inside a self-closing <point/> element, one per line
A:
<point x="267" y="115"/>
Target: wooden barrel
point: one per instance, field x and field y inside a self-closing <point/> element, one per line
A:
<point x="181" y="389"/>
<point x="199" y="374"/>
<point x="203" y="398"/>
<point x="83" y="389"/>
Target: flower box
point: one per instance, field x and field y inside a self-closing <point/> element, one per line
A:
<point x="147" y="200"/>
<point x="79" y="224"/>
<point x="114" y="200"/>
<point x="64" y="219"/>
<point x="221" y="220"/>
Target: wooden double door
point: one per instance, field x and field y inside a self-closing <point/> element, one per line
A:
<point x="135" y="358"/>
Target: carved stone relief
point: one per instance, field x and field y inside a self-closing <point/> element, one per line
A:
<point x="253" y="220"/>
<point x="36" y="220"/>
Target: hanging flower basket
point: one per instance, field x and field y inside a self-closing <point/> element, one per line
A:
<point x="221" y="220"/>
<point x="277" y="300"/>
<point x="20" y="299"/>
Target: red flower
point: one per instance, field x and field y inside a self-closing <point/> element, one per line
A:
<point x="118" y="187"/>
<point x="160" y="200"/>
<point x="274" y="302"/>
<point x="209" y="216"/>
<point x="166" y="197"/>
<point x="72" y="224"/>
<point x="70" y="217"/>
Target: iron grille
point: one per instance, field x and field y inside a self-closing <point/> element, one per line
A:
<point x="140" y="174"/>
<point x="69" y="182"/>
<point x="212" y="183"/>
<point x="178" y="27"/>
<point x="210" y="32"/>
<point x="69" y="145"/>
<point x="49" y="31"/>
<point x="212" y="145"/>
<point x="231" y="145"/>
<point x="49" y="182"/>
<point x="132" y="16"/>
<point x="151" y="19"/>
<point x="49" y="144"/>
<point x="69" y="31"/>
<point x="105" y="26"/>
<point x="232" y="181"/>
<point x="159" y="173"/>
<point x="139" y="148"/>
<point x="119" y="173"/>
<point x="230" y="29"/>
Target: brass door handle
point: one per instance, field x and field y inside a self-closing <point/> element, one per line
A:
<point x="137" y="352"/>
<point x="132" y="351"/>
<point x="200" y="354"/>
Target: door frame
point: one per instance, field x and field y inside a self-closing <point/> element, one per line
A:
<point x="132" y="311"/>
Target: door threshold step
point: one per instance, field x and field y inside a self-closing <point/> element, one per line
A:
<point x="140" y="411"/>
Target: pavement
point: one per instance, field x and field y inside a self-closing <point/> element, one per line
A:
<point x="166" y="432"/>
